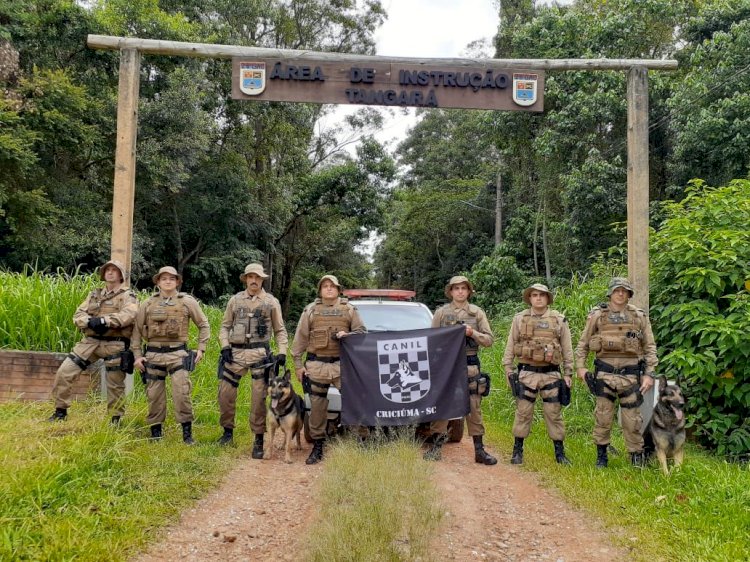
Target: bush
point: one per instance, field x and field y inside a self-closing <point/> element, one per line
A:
<point x="701" y="309"/>
<point x="497" y="280"/>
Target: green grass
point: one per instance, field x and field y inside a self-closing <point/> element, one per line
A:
<point x="36" y="309"/>
<point x="80" y="490"/>
<point x="363" y="515"/>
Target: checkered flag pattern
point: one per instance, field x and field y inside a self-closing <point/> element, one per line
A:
<point x="404" y="375"/>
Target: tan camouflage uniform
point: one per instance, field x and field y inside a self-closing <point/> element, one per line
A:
<point x="249" y="350"/>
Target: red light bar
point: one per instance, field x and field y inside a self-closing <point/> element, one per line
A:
<point x="390" y="294"/>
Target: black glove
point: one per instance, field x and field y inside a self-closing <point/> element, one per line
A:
<point x="280" y="364"/>
<point x="226" y="355"/>
<point x="97" y="324"/>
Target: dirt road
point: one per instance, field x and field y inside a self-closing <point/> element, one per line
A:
<point x="261" y="509"/>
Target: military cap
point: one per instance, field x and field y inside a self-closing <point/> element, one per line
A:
<point x="455" y="280"/>
<point x="332" y="279"/>
<point x="167" y="269"/>
<point x="537" y="287"/>
<point x="118" y="264"/>
<point x="256" y="268"/>
<point x="620" y="282"/>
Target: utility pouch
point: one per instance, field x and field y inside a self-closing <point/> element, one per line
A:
<point x="173" y="327"/>
<point x="127" y="362"/>
<point x="188" y="362"/>
<point x="319" y="338"/>
<point x="633" y="345"/>
<point x="518" y="350"/>
<point x="239" y="334"/>
<point x="537" y="354"/>
<point x="612" y="344"/>
<point x="595" y="343"/>
<point x="563" y="393"/>
<point x="158" y="314"/>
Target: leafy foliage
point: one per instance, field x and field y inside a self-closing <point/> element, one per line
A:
<point x="701" y="309"/>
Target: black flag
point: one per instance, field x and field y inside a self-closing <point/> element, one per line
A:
<point x="400" y="378"/>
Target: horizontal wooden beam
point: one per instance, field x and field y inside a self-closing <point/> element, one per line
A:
<point x="208" y="50"/>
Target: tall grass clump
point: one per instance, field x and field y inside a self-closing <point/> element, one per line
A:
<point x="36" y="309"/>
<point x="699" y="512"/>
<point x="376" y="504"/>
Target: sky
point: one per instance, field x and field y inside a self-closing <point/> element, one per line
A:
<point x="427" y="29"/>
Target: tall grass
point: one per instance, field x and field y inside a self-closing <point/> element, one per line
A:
<point x="36" y="309"/>
<point x="700" y="512"/>
<point x="376" y="504"/>
<point x="80" y="490"/>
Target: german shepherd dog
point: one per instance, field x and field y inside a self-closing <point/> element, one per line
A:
<point x="665" y="433"/>
<point x="286" y="412"/>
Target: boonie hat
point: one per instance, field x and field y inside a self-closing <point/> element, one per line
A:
<point x="118" y="264"/>
<point x="620" y="282"/>
<point x="332" y="279"/>
<point x="455" y="280"/>
<point x="167" y="269"/>
<point x="256" y="268"/>
<point x="537" y="287"/>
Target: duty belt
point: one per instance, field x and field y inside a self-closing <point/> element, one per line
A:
<point x="255" y="345"/>
<point x="113" y="338"/>
<point x="604" y="367"/>
<point x="313" y="357"/>
<point x="542" y="369"/>
<point x="165" y="348"/>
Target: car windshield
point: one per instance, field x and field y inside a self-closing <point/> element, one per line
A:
<point x="382" y="317"/>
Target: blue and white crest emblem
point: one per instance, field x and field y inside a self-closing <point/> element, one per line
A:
<point x="524" y="88"/>
<point x="252" y="78"/>
<point x="404" y="369"/>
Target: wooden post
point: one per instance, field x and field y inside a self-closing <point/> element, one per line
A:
<point x="127" y="127"/>
<point x="638" y="184"/>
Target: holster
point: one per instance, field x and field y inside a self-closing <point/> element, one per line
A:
<point x="515" y="385"/>
<point x="127" y="362"/>
<point x="563" y="393"/>
<point x="220" y="368"/>
<point x="144" y="375"/>
<point x="590" y="379"/>
<point x="484" y="377"/>
<point x="306" y="384"/>
<point x="188" y="362"/>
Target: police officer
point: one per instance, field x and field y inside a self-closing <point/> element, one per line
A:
<point x="478" y="332"/>
<point x="539" y="340"/>
<point x="106" y="319"/>
<point x="620" y="335"/>
<point x="162" y="323"/>
<point x="323" y="323"/>
<point x="250" y="318"/>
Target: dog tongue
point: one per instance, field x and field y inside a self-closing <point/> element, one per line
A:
<point x="678" y="413"/>
<point x="274" y="402"/>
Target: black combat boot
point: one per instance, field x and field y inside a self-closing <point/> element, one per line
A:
<point x="316" y="455"/>
<point x="434" y="453"/>
<point x="517" y="456"/>
<point x="115" y="421"/>
<point x="636" y="459"/>
<point x="187" y="433"/>
<point x="59" y="415"/>
<point x="258" y="446"/>
<point x="228" y="437"/>
<point x="560" y="453"/>
<point x="480" y="455"/>
<point x="156" y="432"/>
<point x="601" y="456"/>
